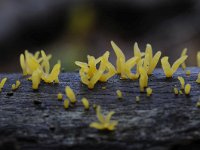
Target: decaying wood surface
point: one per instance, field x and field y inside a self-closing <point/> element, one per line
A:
<point x="37" y="120"/>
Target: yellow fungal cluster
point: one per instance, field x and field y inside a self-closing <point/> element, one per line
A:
<point x="105" y="122"/>
<point x="89" y="72"/>
<point x="119" y="94"/>
<point x="168" y="70"/>
<point x="16" y="85"/>
<point x="39" y="68"/>
<point x="198" y="78"/>
<point x="2" y="83"/>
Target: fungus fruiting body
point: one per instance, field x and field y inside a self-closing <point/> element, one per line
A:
<point x="59" y="96"/>
<point x="137" y="99"/>
<point x="198" y="59"/>
<point x="188" y="72"/>
<point x="70" y="94"/>
<point x="105" y="122"/>
<point x="198" y="78"/>
<point x="2" y="83"/>
<point x="182" y="81"/>
<point x="183" y="65"/>
<point x="143" y="81"/>
<point x="176" y="91"/>
<point x="168" y="70"/>
<point x="66" y="104"/>
<point x="119" y="94"/>
<point x="85" y="103"/>
<point x="16" y="85"/>
<point x="149" y="91"/>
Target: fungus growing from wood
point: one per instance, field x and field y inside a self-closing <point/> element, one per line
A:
<point x="2" y="83"/>
<point x="104" y="122"/>
<point x="85" y="103"/>
<point x="168" y="70"/>
<point x="187" y="72"/>
<point x="198" y="59"/>
<point x="198" y="78"/>
<point x="149" y="91"/>
<point x="59" y="96"/>
<point x="16" y="85"/>
<point x="66" y="104"/>
<point x="176" y="91"/>
<point x="119" y="94"/>
<point x="70" y="94"/>
<point x="184" y="52"/>
<point x="143" y="81"/>
<point x="182" y="82"/>
<point x="187" y="89"/>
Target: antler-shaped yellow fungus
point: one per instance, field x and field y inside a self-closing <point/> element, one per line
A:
<point x="2" y="83"/>
<point x="70" y="94"/>
<point x="183" y="65"/>
<point x="89" y="73"/>
<point x="124" y="67"/>
<point x="182" y="81"/>
<point x="187" y="89"/>
<point x="16" y="85"/>
<point x="198" y="59"/>
<point x="85" y="103"/>
<point x="143" y="79"/>
<point x="150" y="61"/>
<point x="198" y="78"/>
<point x="104" y="121"/>
<point x="168" y="70"/>
<point x="149" y="91"/>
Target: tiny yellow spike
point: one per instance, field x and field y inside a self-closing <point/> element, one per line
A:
<point x="59" y="96"/>
<point x="149" y="91"/>
<point x="176" y="91"/>
<point x="198" y="58"/>
<point x="182" y="81"/>
<point x="187" y="89"/>
<point x="119" y="94"/>
<point x="70" y="94"/>
<point x="184" y="52"/>
<point x="85" y="103"/>
<point x="66" y="104"/>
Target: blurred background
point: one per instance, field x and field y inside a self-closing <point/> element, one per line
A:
<point x="71" y="29"/>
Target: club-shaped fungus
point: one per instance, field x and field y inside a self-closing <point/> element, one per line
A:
<point x="70" y="94"/>
<point x="119" y="94"/>
<point x="184" y="52"/>
<point x="198" y="59"/>
<point x="168" y="70"/>
<point x="176" y="91"/>
<point x="2" y="83"/>
<point x="16" y="85"/>
<point x="198" y="78"/>
<point x="180" y="92"/>
<point x="59" y="96"/>
<point x="143" y="81"/>
<point x="105" y="122"/>
<point x="198" y="104"/>
<point x="35" y="78"/>
<point x="149" y="91"/>
<point x="66" y="103"/>
<point x="182" y="82"/>
<point x="187" y="89"/>
<point x="90" y="74"/>
<point x="85" y="103"/>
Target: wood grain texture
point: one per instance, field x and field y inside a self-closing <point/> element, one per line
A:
<point x="163" y="121"/>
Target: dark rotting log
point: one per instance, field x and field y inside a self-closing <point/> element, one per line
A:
<point x="37" y="120"/>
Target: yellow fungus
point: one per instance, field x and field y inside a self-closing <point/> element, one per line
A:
<point x="137" y="99"/>
<point x="198" y="78"/>
<point x="70" y="94"/>
<point x="198" y="104"/>
<point x="183" y="65"/>
<point x="168" y="70"/>
<point x="188" y="72"/>
<point x="103" y="87"/>
<point x="35" y="78"/>
<point x="149" y="91"/>
<point x="2" y="83"/>
<point x="175" y="91"/>
<point x="85" y="103"/>
<point x="89" y="73"/>
<point x="180" y="92"/>
<point x="104" y="122"/>
<point x="66" y="104"/>
<point x="59" y="96"/>
<point x="198" y="59"/>
<point x="182" y="81"/>
<point x="187" y="89"/>
<point x="119" y="94"/>
<point x="16" y="85"/>
<point x="143" y="81"/>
